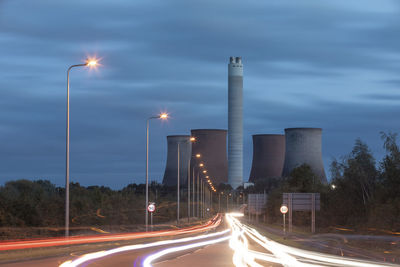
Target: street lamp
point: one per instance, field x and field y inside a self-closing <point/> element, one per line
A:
<point x="178" y="188"/>
<point x="162" y="116"/>
<point x="88" y="63"/>
<point x="192" y="140"/>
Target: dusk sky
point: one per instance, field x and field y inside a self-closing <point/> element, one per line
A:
<point x="329" y="64"/>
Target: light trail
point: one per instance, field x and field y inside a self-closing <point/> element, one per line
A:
<point x="75" y="240"/>
<point x="101" y="254"/>
<point x="285" y="255"/>
<point x="147" y="262"/>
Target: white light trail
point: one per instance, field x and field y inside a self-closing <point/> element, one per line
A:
<point x="147" y="262"/>
<point x="285" y="255"/>
<point x="96" y="255"/>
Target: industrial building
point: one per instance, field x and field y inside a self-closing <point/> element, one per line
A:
<point x="268" y="156"/>
<point x="211" y="145"/>
<point x="171" y="169"/>
<point x="235" y="122"/>
<point x="303" y="146"/>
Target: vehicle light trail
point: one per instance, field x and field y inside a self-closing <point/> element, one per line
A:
<point x="75" y="240"/>
<point x="147" y="262"/>
<point x="101" y="254"/>
<point x="285" y="255"/>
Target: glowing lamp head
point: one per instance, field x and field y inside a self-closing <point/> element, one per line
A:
<point x="91" y="62"/>
<point x="201" y="165"/>
<point x="193" y="139"/>
<point x="205" y="171"/>
<point x="163" y="116"/>
<point x="198" y="155"/>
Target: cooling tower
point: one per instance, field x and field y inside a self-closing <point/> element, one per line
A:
<point x="185" y="150"/>
<point x="211" y="145"/>
<point x="235" y="122"/>
<point x="268" y="156"/>
<point x="303" y="146"/>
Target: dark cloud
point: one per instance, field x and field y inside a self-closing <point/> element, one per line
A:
<point x="316" y="64"/>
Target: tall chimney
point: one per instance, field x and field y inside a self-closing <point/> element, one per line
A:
<point x="235" y="122"/>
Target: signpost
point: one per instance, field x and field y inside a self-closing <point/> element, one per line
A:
<point x="151" y="208"/>
<point x="302" y="202"/>
<point x="256" y="203"/>
<point x="284" y="209"/>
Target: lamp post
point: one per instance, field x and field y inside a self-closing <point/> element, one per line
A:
<point x="177" y="191"/>
<point x="198" y="186"/>
<point x="192" y="139"/>
<point x="89" y="63"/>
<point x="219" y="201"/>
<point x="162" y="116"/>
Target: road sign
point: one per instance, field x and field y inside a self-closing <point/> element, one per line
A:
<point x="151" y="207"/>
<point x="284" y="209"/>
<point x="256" y="203"/>
<point x="302" y="202"/>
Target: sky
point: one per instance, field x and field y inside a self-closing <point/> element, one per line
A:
<point x="329" y="64"/>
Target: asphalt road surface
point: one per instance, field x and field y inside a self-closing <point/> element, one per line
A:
<point x="232" y="243"/>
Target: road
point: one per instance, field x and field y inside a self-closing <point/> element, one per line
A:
<point x="230" y="244"/>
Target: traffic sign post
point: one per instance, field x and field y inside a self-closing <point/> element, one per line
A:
<point x="284" y="209"/>
<point x="151" y="208"/>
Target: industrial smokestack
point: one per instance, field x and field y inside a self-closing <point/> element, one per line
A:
<point x="303" y="146"/>
<point x="235" y="122"/>
<point x="268" y="156"/>
<point x="211" y="145"/>
<point x="171" y="169"/>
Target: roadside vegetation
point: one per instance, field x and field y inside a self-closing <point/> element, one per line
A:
<point x="36" y="208"/>
<point x="363" y="195"/>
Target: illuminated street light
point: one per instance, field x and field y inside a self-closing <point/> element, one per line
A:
<point x="89" y="63"/>
<point x="193" y="139"/>
<point x="201" y="165"/>
<point x="198" y="155"/>
<point x="205" y="171"/>
<point x="162" y="116"/>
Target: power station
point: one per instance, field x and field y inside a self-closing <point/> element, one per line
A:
<point x="171" y="169"/>
<point x="210" y="144"/>
<point x="303" y="146"/>
<point x="268" y="156"/>
<point x="235" y="122"/>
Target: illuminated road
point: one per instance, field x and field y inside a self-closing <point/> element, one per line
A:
<point x="229" y="244"/>
<point x="245" y="255"/>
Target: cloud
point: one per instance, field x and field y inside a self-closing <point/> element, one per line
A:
<point x="318" y="64"/>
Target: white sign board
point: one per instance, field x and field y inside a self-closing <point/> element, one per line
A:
<point x="256" y="203"/>
<point x="302" y="201"/>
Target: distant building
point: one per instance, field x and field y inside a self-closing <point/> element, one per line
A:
<point x="268" y="156"/>
<point x="304" y="146"/>
<point x="211" y="145"/>
<point x="171" y="169"/>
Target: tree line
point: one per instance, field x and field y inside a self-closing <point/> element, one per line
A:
<point x="363" y="193"/>
<point x="25" y="203"/>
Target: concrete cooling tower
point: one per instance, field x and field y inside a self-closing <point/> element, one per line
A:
<point x="211" y="145"/>
<point x="268" y="156"/>
<point x="303" y="146"/>
<point x="171" y="170"/>
<point x="235" y="122"/>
